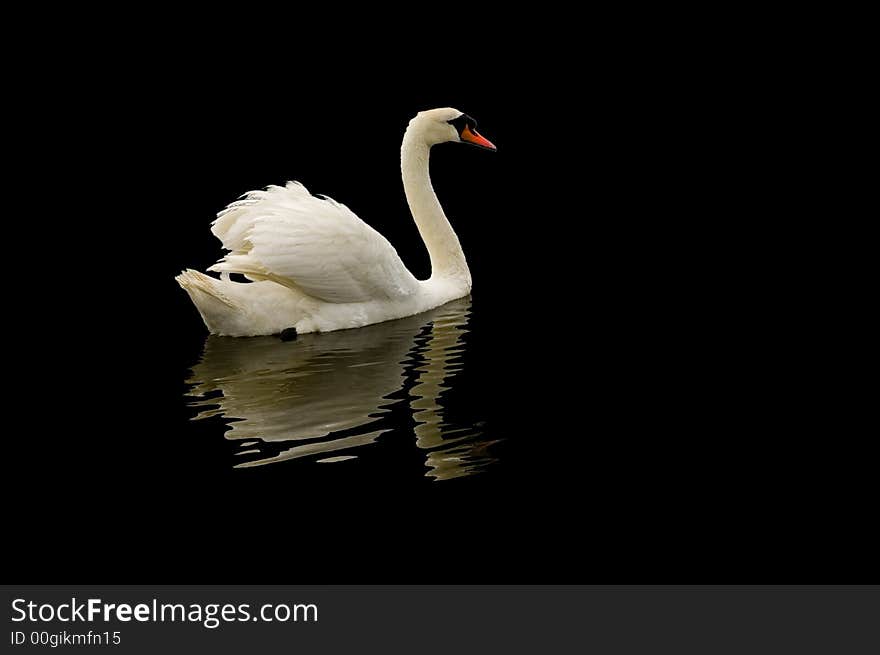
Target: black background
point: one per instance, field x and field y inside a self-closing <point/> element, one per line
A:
<point x="626" y="251"/>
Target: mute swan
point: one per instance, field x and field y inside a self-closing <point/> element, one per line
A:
<point x="314" y="266"/>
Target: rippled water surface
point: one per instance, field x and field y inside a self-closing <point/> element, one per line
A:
<point x="324" y="398"/>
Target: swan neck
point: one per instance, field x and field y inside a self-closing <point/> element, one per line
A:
<point x="444" y="248"/>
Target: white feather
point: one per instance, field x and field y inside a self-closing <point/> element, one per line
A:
<point x="287" y="235"/>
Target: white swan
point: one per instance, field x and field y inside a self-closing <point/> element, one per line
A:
<point x="316" y="267"/>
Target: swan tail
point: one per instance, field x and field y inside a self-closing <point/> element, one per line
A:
<point x="216" y="307"/>
<point x="244" y="309"/>
<point x="205" y="290"/>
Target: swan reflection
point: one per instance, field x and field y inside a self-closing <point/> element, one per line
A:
<point x="325" y="395"/>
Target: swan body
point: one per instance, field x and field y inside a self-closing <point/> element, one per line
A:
<point x="315" y="266"/>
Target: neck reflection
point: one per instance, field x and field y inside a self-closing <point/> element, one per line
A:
<point x="325" y="396"/>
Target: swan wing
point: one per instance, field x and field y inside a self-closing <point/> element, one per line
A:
<point x="314" y="244"/>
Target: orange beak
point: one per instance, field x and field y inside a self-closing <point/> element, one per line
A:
<point x="477" y="139"/>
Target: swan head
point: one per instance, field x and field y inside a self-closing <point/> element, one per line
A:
<point x="448" y="125"/>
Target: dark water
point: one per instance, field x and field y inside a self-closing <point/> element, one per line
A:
<point x="325" y="397"/>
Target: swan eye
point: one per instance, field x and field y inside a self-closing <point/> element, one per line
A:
<point x="463" y="122"/>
